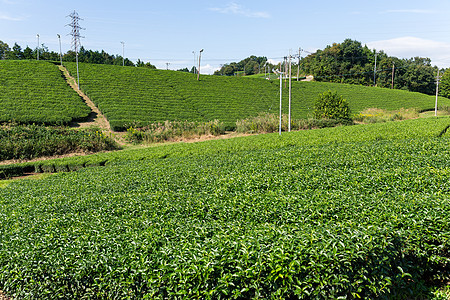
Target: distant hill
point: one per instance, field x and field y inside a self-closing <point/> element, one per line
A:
<point x="35" y="92"/>
<point x="129" y="95"/>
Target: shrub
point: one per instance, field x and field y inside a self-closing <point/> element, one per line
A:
<point x="31" y="141"/>
<point x="330" y="105"/>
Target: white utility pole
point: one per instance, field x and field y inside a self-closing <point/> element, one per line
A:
<point x="37" y="50"/>
<point x="199" y="61"/>
<point x="290" y="86"/>
<point x="298" y="66"/>
<point x="437" y="93"/>
<point x="60" y="50"/>
<point x="195" y="60"/>
<point x="375" y="71"/>
<point x="123" y="54"/>
<point x="393" y="72"/>
<point x="281" y="94"/>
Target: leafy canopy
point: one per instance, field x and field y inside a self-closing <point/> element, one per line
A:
<point x="330" y="105"/>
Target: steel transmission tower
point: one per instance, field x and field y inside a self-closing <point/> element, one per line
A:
<point x="75" y="33"/>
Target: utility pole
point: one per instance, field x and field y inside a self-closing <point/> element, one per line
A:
<point x="123" y="54"/>
<point x="393" y="72"/>
<point x="199" y="61"/>
<point x="437" y="93"/>
<point x="298" y="66"/>
<point x="281" y="97"/>
<point x="60" y="51"/>
<point x="290" y="76"/>
<point x="37" y="50"/>
<point x="285" y="71"/>
<point x="195" y="59"/>
<point x="75" y="33"/>
<point x="375" y="71"/>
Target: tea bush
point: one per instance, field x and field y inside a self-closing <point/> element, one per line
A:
<point x="346" y="212"/>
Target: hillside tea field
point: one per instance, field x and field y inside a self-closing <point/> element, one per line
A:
<point x="35" y="92"/>
<point x="347" y="212"/>
<point x="139" y="96"/>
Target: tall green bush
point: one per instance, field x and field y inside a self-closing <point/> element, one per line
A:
<point x="330" y="105"/>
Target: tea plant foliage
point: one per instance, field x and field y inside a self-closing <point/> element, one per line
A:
<point x="138" y="97"/>
<point x="35" y="92"/>
<point x="348" y="212"/>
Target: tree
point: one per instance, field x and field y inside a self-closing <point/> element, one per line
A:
<point x="250" y="65"/>
<point x="444" y="87"/>
<point x="330" y="105"/>
<point x="141" y="64"/>
<point x="4" y="50"/>
<point x="17" y="53"/>
<point x="28" y="53"/>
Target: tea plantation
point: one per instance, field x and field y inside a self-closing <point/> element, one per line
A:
<point x="346" y="212"/>
<point x="138" y="96"/>
<point x="35" y="92"/>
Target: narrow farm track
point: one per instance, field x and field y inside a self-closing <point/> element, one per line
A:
<point x="3" y="296"/>
<point x="96" y="118"/>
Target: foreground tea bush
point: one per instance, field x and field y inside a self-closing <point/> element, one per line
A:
<point x="308" y="215"/>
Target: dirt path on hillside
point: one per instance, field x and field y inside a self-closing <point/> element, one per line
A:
<point x="3" y="296"/>
<point x="95" y="118"/>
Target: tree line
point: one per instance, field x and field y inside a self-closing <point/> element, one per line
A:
<point x="351" y="62"/>
<point x="87" y="56"/>
<point x="248" y="66"/>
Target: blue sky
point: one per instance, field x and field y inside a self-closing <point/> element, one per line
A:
<point x="169" y="31"/>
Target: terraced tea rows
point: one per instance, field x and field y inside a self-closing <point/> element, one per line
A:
<point x="349" y="212"/>
<point x="35" y="92"/>
<point x="140" y="96"/>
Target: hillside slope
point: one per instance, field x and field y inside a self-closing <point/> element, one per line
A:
<point x="129" y="95"/>
<point x="35" y="92"/>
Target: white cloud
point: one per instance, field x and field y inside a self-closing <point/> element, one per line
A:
<point x="407" y="47"/>
<point x="237" y="9"/>
<point x="273" y="61"/>
<point x="411" y="11"/>
<point x="208" y="69"/>
<point x="9" y="18"/>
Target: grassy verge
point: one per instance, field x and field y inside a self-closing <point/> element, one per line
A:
<point x="173" y="131"/>
<point x="268" y="123"/>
